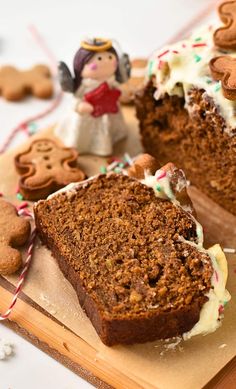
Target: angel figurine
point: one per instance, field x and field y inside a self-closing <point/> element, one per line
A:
<point x="95" y="122"/>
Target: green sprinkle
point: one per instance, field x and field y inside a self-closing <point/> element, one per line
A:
<point x="150" y="66"/>
<point x="198" y="39"/>
<point x="121" y="165"/>
<point x="103" y="169"/>
<point x="158" y="187"/>
<point x="197" y="58"/>
<point x="208" y="81"/>
<point x="217" y="87"/>
<point x="19" y="196"/>
<point x="32" y="128"/>
<point x="117" y="170"/>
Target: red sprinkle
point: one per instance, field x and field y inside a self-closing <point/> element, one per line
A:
<point x="184" y="45"/>
<point x="221" y="309"/>
<point x="23" y="205"/>
<point x="199" y="45"/>
<point x="216" y="275"/>
<point x="162" y="54"/>
<point x="175" y="51"/>
<point x="160" y="64"/>
<point x="162" y="174"/>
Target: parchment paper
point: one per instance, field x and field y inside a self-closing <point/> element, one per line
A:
<point x="189" y="364"/>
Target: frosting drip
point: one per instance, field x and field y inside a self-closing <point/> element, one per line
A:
<point x="212" y="311"/>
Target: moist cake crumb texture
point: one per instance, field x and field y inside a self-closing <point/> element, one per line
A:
<point x="196" y="142"/>
<point x="123" y="244"/>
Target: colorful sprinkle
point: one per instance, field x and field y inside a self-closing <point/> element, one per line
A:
<point x="198" y="39"/>
<point x="160" y="64"/>
<point x="32" y="128"/>
<point x="184" y="45"/>
<point x="162" y="54"/>
<point x="218" y="86"/>
<point x="175" y="51"/>
<point x="19" y="196"/>
<point x="158" y="187"/>
<point x="199" y="45"/>
<point x="23" y="205"/>
<point x="160" y="175"/>
<point x="197" y="58"/>
<point x="216" y="276"/>
<point x="128" y="159"/>
<point x="150" y="66"/>
<point x="209" y="80"/>
<point x="221" y="309"/>
<point x="117" y="170"/>
<point x="103" y="169"/>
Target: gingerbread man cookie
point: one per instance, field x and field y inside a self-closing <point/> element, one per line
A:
<point x="225" y="37"/>
<point x="46" y="167"/>
<point x="16" y="84"/>
<point x="14" y="232"/>
<point x="223" y="68"/>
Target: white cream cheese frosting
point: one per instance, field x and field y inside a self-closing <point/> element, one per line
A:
<point x="180" y="67"/>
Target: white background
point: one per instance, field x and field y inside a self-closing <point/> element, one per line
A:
<point x="140" y="26"/>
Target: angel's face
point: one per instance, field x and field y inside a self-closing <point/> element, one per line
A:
<point x="101" y="66"/>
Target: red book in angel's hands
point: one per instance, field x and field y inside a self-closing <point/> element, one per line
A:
<point x="103" y="99"/>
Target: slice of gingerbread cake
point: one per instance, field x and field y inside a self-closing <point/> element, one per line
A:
<point x="134" y="255"/>
<point x="187" y="110"/>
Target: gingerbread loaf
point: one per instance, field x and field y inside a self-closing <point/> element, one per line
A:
<point x="134" y="257"/>
<point x="187" y="111"/>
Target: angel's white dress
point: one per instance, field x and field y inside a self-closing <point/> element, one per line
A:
<point x="88" y="134"/>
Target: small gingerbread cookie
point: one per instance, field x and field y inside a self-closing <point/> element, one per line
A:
<point x="145" y="163"/>
<point x="14" y="232"/>
<point x="16" y="84"/>
<point x="46" y="167"/>
<point x="225" y="37"/>
<point x="135" y="82"/>
<point x="223" y="68"/>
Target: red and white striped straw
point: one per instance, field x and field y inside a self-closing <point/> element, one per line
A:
<point x="6" y="314"/>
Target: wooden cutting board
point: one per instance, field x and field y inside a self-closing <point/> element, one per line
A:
<point x="49" y="316"/>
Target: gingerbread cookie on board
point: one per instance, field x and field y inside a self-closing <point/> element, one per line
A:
<point x="14" y="232"/>
<point x="46" y="167"/>
<point x="15" y="84"/>
<point x="225" y="37"/>
<point x="223" y="68"/>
